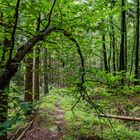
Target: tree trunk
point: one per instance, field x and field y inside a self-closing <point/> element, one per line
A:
<point x="133" y="50"/>
<point x="123" y="33"/>
<point x="10" y="68"/>
<point x="45" y="66"/>
<point x="36" y="74"/>
<point x="4" y="87"/>
<point x="125" y="48"/>
<point x="28" y="95"/>
<point x="3" y="111"/>
<point x="104" y="53"/>
<point x="109" y="56"/>
<point x="137" y="44"/>
<point x="113" y="47"/>
<point x="58" y="71"/>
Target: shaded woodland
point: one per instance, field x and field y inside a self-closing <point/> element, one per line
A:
<point x="69" y="69"/>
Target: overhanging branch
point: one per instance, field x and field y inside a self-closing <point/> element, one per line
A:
<point x="14" y="30"/>
<point x="50" y="14"/>
<point x="11" y="68"/>
<point x="82" y="68"/>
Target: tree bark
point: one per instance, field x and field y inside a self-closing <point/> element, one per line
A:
<point x="104" y="53"/>
<point x="113" y="47"/>
<point x="3" y="111"/>
<point x="112" y="38"/>
<point x="45" y="66"/>
<point x="123" y="33"/>
<point x="36" y="74"/>
<point x="28" y="95"/>
<point x="137" y="45"/>
<point x="4" y="87"/>
<point x="11" y="68"/>
<point x="125" y="118"/>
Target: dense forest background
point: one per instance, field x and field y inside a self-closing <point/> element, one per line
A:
<point x="82" y="53"/>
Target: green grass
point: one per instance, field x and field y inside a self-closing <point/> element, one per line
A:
<point x="82" y="123"/>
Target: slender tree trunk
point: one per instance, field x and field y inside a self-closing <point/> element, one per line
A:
<point x="133" y="49"/>
<point x="45" y="66"/>
<point x="113" y="45"/>
<point x="137" y="44"/>
<point x="110" y="55"/>
<point x="3" y="110"/>
<point x="36" y="64"/>
<point x="104" y="53"/>
<point x="58" y="71"/>
<point x="36" y="74"/>
<point x="117" y="58"/>
<point x="123" y="33"/>
<point x="3" y="88"/>
<point x="112" y="38"/>
<point x="125" y="47"/>
<point x="28" y="95"/>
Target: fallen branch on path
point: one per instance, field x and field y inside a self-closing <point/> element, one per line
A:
<point x="16" y="134"/>
<point x="125" y="118"/>
<point x="25" y="130"/>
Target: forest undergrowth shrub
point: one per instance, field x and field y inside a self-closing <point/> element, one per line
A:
<point x="108" y="89"/>
<point x="16" y="109"/>
<point x="83" y="123"/>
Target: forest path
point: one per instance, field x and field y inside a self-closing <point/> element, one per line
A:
<point x="55" y="130"/>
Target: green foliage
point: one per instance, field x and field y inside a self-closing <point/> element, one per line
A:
<point x="48" y="102"/>
<point x="84" y="19"/>
<point x="82" y="123"/>
<point x="122" y="132"/>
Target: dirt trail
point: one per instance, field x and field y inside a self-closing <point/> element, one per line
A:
<point x="56" y="130"/>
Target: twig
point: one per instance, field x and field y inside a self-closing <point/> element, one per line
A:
<point x="126" y="118"/>
<point x="16" y="134"/>
<point x="76" y="102"/>
<point x="14" y="30"/>
<point x="61" y="15"/>
<point x="98" y="110"/>
<point x="50" y="14"/>
<point x="25" y="130"/>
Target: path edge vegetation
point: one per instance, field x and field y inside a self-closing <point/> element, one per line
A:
<point x="13" y="63"/>
<point x="14" y="60"/>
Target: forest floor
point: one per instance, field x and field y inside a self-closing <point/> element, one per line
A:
<point x="56" y="130"/>
<point x="54" y="119"/>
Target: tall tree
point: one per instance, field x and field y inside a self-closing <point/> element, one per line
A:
<point x="104" y="53"/>
<point x="36" y="73"/>
<point x="45" y="71"/>
<point x="28" y="96"/>
<point x="25" y="38"/>
<point x="112" y="38"/>
<point x="137" y="42"/>
<point x="4" y="91"/>
<point x="123" y="33"/>
<point x="36" y="64"/>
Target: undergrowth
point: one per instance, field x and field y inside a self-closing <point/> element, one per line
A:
<point x="82" y="123"/>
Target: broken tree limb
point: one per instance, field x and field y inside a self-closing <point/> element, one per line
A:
<point x="25" y="130"/>
<point x="16" y="134"/>
<point x="125" y="118"/>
